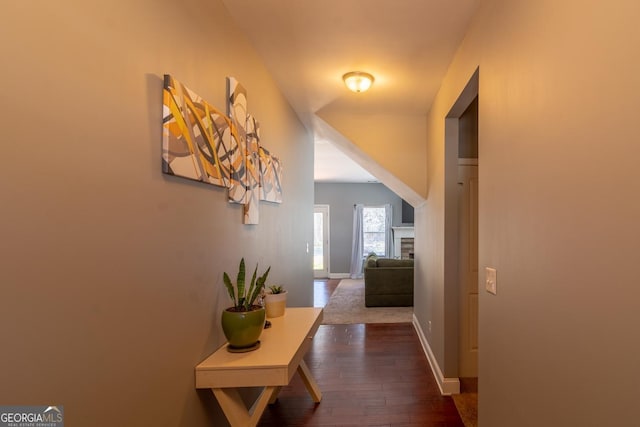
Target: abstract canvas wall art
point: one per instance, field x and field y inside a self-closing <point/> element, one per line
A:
<point x="195" y="135"/>
<point x="237" y="111"/>
<point x="270" y="176"/>
<point x="252" y="169"/>
<point x="201" y="143"/>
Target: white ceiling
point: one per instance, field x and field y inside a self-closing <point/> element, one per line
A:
<point x="332" y="165"/>
<point x="308" y="45"/>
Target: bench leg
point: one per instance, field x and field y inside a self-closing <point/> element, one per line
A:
<point x="235" y="409"/>
<point x="309" y="382"/>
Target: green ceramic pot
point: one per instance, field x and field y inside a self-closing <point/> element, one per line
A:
<point x="243" y="328"/>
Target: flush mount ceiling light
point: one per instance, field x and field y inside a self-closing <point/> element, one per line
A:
<point x="358" y="81"/>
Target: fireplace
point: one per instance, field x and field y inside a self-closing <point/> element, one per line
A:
<point x="402" y="242"/>
<point x="406" y="247"/>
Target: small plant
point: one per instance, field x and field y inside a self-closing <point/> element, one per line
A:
<point x="242" y="297"/>
<point x="276" y="289"/>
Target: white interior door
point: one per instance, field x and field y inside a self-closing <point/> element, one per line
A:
<point x="468" y="267"/>
<point x="321" y="241"/>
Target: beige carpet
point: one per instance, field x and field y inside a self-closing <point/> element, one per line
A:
<point x="467" y="401"/>
<point x="346" y="306"/>
<point x="467" y="406"/>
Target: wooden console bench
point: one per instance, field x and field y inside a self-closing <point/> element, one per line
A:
<point x="271" y="366"/>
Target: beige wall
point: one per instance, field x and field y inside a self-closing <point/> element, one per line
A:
<point x="558" y="211"/>
<point x="111" y="271"/>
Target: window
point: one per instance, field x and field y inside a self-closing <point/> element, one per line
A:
<point x="374" y="231"/>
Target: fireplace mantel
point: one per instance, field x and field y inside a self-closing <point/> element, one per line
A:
<point x="398" y="234"/>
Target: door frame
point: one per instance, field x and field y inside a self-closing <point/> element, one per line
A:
<point x="451" y="232"/>
<point x="325" y="210"/>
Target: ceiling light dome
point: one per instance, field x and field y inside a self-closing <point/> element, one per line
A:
<point x="358" y="81"/>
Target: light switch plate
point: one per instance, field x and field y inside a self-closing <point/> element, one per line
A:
<point x="491" y="283"/>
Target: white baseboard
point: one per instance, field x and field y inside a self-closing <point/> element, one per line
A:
<point x="339" y="275"/>
<point x="448" y="386"/>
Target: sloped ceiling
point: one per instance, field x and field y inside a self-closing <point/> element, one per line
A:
<point x="308" y="45"/>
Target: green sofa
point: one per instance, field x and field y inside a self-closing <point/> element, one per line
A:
<point x="388" y="282"/>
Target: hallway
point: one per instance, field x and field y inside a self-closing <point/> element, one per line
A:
<point x="370" y="375"/>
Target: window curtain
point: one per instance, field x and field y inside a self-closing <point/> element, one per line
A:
<point x="388" y="221"/>
<point x="356" y="245"/>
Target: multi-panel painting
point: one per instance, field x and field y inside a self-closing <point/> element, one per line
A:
<point x="201" y="143"/>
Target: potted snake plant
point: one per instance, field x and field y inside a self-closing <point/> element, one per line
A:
<point x="243" y="322"/>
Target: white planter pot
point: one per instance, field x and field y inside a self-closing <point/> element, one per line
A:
<point x="275" y="304"/>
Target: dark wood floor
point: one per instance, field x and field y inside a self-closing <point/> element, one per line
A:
<point x="322" y="290"/>
<point x="370" y="375"/>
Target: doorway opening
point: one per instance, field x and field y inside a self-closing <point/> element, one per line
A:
<point x="468" y="241"/>
<point x="461" y="235"/>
